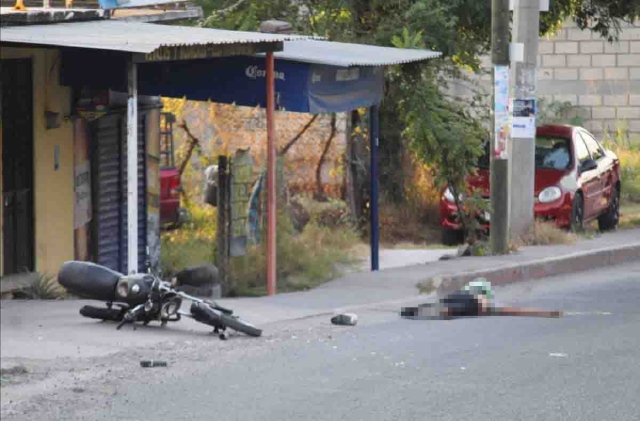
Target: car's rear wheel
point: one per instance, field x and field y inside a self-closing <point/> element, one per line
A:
<point x="451" y="237"/>
<point x="609" y="220"/>
<point x="577" y="213"/>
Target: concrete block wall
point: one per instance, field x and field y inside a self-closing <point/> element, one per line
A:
<point x="601" y="79"/>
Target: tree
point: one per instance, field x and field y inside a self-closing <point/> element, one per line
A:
<point x="320" y="195"/>
<point x="460" y="29"/>
<point x="443" y="133"/>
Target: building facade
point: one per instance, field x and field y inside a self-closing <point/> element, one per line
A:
<point x="63" y="172"/>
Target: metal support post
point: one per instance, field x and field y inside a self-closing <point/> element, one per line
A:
<point x="132" y="167"/>
<point x="271" y="178"/>
<point x="375" y="226"/>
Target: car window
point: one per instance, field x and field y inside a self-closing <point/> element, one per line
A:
<point x="592" y="145"/>
<point x="552" y="153"/>
<point x="581" y="150"/>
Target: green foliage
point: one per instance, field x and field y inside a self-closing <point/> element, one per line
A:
<point x="443" y="131"/>
<point x="628" y="152"/>
<point x="556" y="112"/>
<point x="406" y="40"/>
<point x="601" y="16"/>
<point x="444" y="135"/>
<point x="305" y="260"/>
<point x="192" y="244"/>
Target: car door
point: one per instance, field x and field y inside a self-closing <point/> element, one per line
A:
<point x="588" y="180"/>
<point x="604" y="172"/>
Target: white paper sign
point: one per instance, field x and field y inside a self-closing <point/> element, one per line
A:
<point x="524" y="118"/>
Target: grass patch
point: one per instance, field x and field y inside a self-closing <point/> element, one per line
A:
<point x="545" y="234"/>
<point x="630" y="216"/>
<point x="39" y="286"/>
<point x="304" y="260"/>
<point x="192" y="244"/>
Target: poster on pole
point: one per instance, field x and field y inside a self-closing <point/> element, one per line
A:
<point x="501" y="111"/>
<point x="524" y="118"/>
<point x="241" y="184"/>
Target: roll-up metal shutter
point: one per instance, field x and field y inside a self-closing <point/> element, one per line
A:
<point x="109" y="157"/>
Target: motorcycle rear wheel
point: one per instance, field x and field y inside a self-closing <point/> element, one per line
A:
<point x="111" y="314"/>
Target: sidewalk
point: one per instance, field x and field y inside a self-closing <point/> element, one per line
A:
<point x="49" y="330"/>
<point x="400" y="284"/>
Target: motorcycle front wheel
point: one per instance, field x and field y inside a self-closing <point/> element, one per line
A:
<point x="240" y="325"/>
<point x="207" y="315"/>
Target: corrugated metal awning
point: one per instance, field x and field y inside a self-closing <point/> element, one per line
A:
<point x="155" y="42"/>
<point x="349" y="55"/>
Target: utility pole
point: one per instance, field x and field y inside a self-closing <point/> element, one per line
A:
<point x="500" y="31"/>
<point x="522" y="168"/>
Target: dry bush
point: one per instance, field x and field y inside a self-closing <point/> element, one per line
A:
<point x="416" y="221"/>
<point x="304" y="260"/>
<point x="405" y="224"/>
<point x="333" y="213"/>
<point x="546" y="233"/>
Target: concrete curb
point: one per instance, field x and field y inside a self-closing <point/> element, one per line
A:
<point x="543" y="268"/>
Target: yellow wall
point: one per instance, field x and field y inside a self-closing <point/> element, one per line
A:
<point x="54" y="195"/>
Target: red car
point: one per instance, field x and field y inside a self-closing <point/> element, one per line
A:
<point x="576" y="181"/>
<point x="170" y="185"/>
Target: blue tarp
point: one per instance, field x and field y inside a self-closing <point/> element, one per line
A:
<point x="300" y="87"/>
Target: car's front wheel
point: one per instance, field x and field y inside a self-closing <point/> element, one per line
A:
<point x="451" y="237"/>
<point x="609" y="220"/>
<point x="577" y="213"/>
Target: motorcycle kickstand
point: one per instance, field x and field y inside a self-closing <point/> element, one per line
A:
<point x="109" y="307"/>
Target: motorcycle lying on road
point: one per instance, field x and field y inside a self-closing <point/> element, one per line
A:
<point x="143" y="298"/>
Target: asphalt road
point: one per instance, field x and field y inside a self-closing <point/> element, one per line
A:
<point x="584" y="366"/>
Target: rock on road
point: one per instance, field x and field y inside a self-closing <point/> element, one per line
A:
<point x="584" y="366"/>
